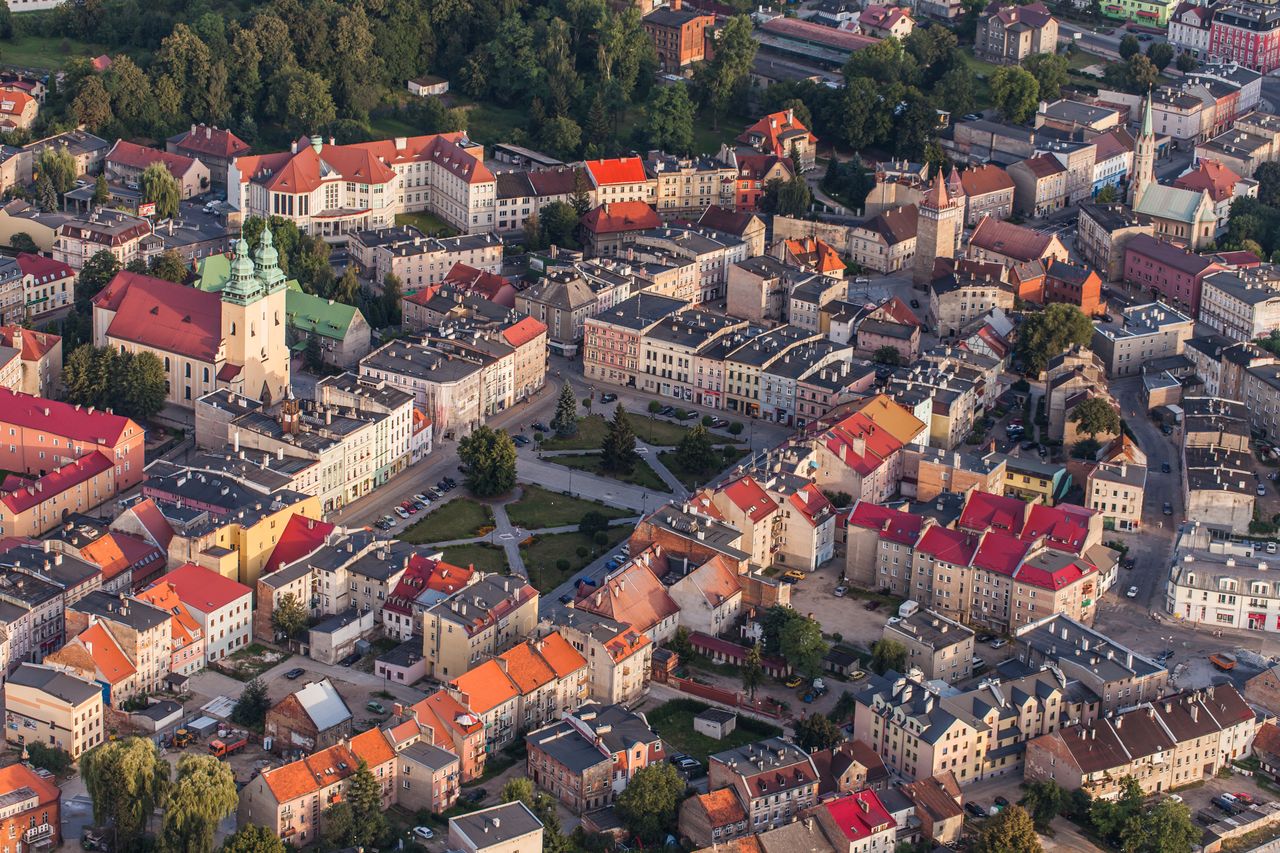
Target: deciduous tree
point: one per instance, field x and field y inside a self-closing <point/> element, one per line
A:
<point x="802" y="645"/>
<point x="58" y="166"/>
<point x="753" y="671"/>
<point x="252" y="838"/>
<point x="816" y="731"/>
<point x="289" y="616"/>
<point x="161" y="188"/>
<point x="490" y="457"/>
<point x="101" y="192"/>
<point x="203" y="793"/>
<point x="126" y="779"/>
<point x="170" y="266"/>
<point x="1051" y="73"/>
<point x="696" y="454"/>
<point x="670" y="120"/>
<point x="1129" y="46"/>
<point x="1011" y="831"/>
<point x="1051" y="332"/>
<point x="647" y="806"/>
<point x="1095" y="417"/>
<point x="1015" y="92"/>
<point x="888" y="655"/>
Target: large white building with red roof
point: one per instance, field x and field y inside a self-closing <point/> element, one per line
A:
<point x="330" y="190"/>
<point x="207" y="341"/>
<point x="221" y="606"/>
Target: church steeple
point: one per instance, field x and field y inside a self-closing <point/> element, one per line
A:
<point x="1144" y="157"/>
<point x="243" y="286"/>
<point x="266" y="263"/>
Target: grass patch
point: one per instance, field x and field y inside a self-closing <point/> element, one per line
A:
<point x="486" y="558"/>
<point x="427" y="223"/>
<point x="592" y="430"/>
<point x="460" y="518"/>
<point x="539" y="508"/>
<point x="674" y="722"/>
<point x="490" y="123"/>
<point x="690" y="479"/>
<point x="641" y="475"/>
<point x="50" y="53"/>
<point x="541" y="558"/>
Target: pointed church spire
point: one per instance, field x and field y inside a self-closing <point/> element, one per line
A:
<point x="1146" y="116"/>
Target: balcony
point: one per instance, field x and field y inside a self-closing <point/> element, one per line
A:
<point x="39" y="836"/>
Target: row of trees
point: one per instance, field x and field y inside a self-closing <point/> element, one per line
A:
<point x="131" y="384"/>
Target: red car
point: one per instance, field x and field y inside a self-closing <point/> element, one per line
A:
<point x="409" y="508"/>
<point x="1247" y="799"/>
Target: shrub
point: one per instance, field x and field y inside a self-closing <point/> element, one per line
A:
<point x="562" y="565"/>
<point x="736" y="428"/>
<point x="706" y="421"/>
<point x="586" y="402"/>
<point x="655" y="406"/>
<point x="601" y="538"/>
<point x="582" y="551"/>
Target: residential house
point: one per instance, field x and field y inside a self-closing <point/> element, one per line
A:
<point x="591" y="754"/>
<point x="310" y="719"/>
<point x="939" y="647"/>
<point x="217" y="148"/>
<point x="1008" y="34"/>
<point x="43" y="704"/>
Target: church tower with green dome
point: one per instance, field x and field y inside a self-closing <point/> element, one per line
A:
<point x="253" y="323"/>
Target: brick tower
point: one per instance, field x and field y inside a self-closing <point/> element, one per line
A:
<point x="935" y="230"/>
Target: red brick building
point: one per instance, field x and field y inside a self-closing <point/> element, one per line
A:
<point x="679" y="35"/>
<point x="1073" y="284"/>
<point x="1166" y="271"/>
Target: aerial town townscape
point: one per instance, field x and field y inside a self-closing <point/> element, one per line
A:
<point x="572" y="426"/>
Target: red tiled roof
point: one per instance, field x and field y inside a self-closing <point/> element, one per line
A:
<point x="878" y="444"/>
<point x="56" y="482"/>
<point x="894" y="525"/>
<point x="423" y="574"/>
<point x="1064" y="527"/>
<point x="43" y="269"/>
<point x="523" y="332"/>
<point x="985" y="511"/>
<point x="1212" y="177"/>
<point x="747" y="495"/>
<point x="898" y="310"/>
<point x="163" y="315"/>
<point x="140" y="157"/>
<point x="153" y="521"/>
<point x="301" y="536"/>
<point x="613" y="217"/>
<point x="774" y="126"/>
<point x="491" y="286"/>
<point x="1000" y="552"/>
<point x="984" y="180"/>
<point x="1054" y="579"/>
<point x="1044" y="165"/>
<point x="18" y="776"/>
<point x="14" y="103"/>
<point x="1014" y="241"/>
<point x="311" y="774"/>
<point x="754" y="167"/>
<point x="215" y="141"/>
<point x="204" y="589"/>
<point x="106" y="652"/>
<point x="35" y="345"/>
<point x="619" y="170"/>
<point x="38" y="413"/>
<point x="364" y="162"/>
<point x="101" y="63"/>
<point x="808" y="31"/>
<point x="860" y="815"/>
<point x="949" y="546"/>
<point x="812" y="504"/>
<point x="486" y="687"/>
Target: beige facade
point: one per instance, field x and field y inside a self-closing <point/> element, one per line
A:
<point x="490" y="617"/>
<point x="47" y="706"/>
<point x="1117" y="492"/>
<point x="939" y="647"/>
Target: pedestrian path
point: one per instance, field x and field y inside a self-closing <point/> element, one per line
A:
<point x="678" y="491"/>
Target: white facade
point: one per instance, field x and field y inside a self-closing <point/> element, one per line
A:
<point x="1239" y="305"/>
<point x="226" y="628"/>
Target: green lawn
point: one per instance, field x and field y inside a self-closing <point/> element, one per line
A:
<point x="981" y="92"/>
<point x="692" y="481"/>
<point x="641" y="475"/>
<point x="427" y="223"/>
<point x="541" y="557"/>
<point x="390" y="125"/>
<point x="592" y="430"/>
<point x="486" y="558"/>
<point x="538" y="508"/>
<point x="674" y="722"/>
<point x="490" y="123"/>
<point x="48" y="53"/>
<point x="460" y="518"/>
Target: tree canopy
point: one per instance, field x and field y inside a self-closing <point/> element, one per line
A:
<point x="1010" y="831"/>
<point x="1052" y="332"/>
<point x="490" y="457"/>
<point x="1095" y="417"/>
<point x="203" y="793"/>
<point x="647" y="806"/>
<point x="126" y="779"/>
<point x="619" y="447"/>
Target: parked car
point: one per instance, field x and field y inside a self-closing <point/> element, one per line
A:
<point x="873" y="604"/>
<point x="1262" y="490"/>
<point x="1131" y="592"/>
<point x="402" y="512"/>
<point x="686" y="415"/>
<point x="1129" y="563"/>
<point x="422" y="499"/>
<point x="295" y="673"/>
<point x="689" y="765"/>
<point x="608" y="398"/>
<point x="793" y="576"/>
<point x="667" y="411"/>
<point x="539" y="426"/>
<point x="1243" y="797"/>
<point x="1164" y="467"/>
<point x="999" y="643"/>
<point x="350" y="659"/>
<point x="520" y="440"/>
<point x="840" y="591"/>
<point x="915" y="303"/>
<point x="476" y="795"/>
<point x="857" y="675"/>
<point x="978" y="664"/>
<point x="424" y="832"/>
<point x="375" y="706"/>
<point x="794" y="681"/>
<point x="1168" y="508"/>
<point x="986" y="638"/>
<point x="719" y="423"/>
<point x="975" y="810"/>
<point x="1002" y="802"/>
<point x="1271" y="547"/>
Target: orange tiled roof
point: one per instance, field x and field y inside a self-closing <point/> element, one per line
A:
<point x="372" y="747"/>
<point x="526" y="668"/>
<point x="634" y="595"/>
<point x="310" y="774"/>
<point x="183" y="626"/>
<point x="722" y="807"/>
<point x="107" y="655"/>
<point x="619" y="170"/>
<point x="562" y="657"/>
<point x="17" y="776"/>
<point x="526" y="330"/>
<point x="747" y="496"/>
<point x="486" y="687"/>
